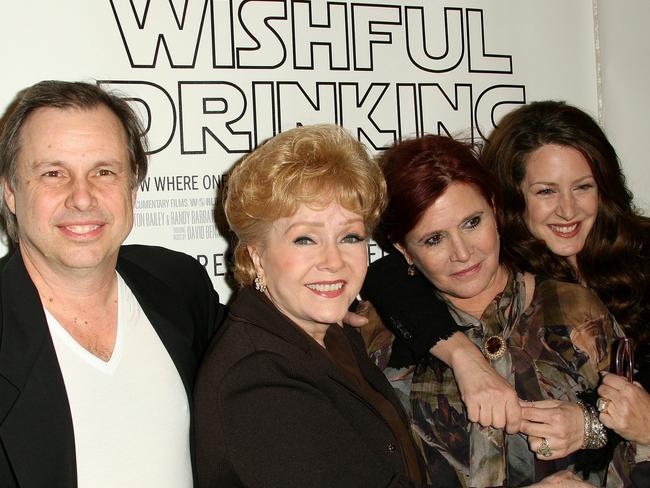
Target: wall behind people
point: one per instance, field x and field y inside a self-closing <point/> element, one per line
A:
<point x="213" y="78"/>
<point x="625" y="72"/>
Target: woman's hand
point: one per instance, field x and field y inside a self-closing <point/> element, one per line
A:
<point x="367" y="321"/>
<point x="354" y="319"/>
<point x="562" y="479"/>
<point x="627" y="408"/>
<point x="488" y="397"/>
<point x="561" y="423"/>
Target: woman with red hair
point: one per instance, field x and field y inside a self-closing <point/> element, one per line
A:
<point x="548" y="340"/>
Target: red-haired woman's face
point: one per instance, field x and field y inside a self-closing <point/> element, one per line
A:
<point x="561" y="198"/>
<point x="456" y="244"/>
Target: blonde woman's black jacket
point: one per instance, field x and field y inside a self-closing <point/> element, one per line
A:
<point x="272" y="411"/>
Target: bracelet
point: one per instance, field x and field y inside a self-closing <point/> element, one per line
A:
<point x="595" y="434"/>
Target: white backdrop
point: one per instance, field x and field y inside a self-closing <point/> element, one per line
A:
<point x="625" y="68"/>
<point x="212" y="78"/>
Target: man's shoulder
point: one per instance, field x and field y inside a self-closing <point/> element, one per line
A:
<point x="4" y="260"/>
<point x="172" y="267"/>
<point x="14" y="278"/>
<point x="154" y="254"/>
<point x="171" y="277"/>
<point x="156" y="258"/>
<point x="7" y="258"/>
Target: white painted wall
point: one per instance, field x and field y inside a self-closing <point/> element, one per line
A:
<point x="625" y="71"/>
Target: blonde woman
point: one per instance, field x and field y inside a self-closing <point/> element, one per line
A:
<point x="287" y="397"/>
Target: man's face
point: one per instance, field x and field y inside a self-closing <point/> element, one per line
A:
<point x="73" y="198"/>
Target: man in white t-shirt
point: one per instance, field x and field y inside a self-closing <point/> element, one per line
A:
<point x="99" y="342"/>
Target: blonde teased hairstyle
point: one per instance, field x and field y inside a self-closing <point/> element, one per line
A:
<point x="313" y="165"/>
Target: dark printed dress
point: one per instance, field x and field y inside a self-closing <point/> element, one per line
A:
<point x="554" y="350"/>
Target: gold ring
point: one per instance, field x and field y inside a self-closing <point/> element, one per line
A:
<point x="544" y="449"/>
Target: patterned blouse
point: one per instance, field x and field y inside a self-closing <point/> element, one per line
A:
<point x="555" y="348"/>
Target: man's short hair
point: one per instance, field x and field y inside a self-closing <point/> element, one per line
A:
<point x="65" y="95"/>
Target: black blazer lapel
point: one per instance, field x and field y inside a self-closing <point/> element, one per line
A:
<point x="35" y="421"/>
<point x="255" y="308"/>
<point x="172" y="322"/>
<point x="373" y="375"/>
<point x="251" y="306"/>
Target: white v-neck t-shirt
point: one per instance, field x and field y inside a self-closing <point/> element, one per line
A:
<point x="130" y="414"/>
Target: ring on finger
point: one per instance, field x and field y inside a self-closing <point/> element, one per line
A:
<point x="544" y="449"/>
<point x="601" y="405"/>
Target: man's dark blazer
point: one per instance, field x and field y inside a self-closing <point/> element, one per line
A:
<point x="273" y="411"/>
<point x="36" y="437"/>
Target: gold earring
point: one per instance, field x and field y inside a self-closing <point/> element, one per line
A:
<point x="410" y="270"/>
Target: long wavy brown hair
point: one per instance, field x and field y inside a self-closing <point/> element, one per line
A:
<point x="615" y="259"/>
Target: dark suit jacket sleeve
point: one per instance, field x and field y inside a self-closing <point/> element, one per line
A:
<point x="409" y="307"/>
<point x="280" y="430"/>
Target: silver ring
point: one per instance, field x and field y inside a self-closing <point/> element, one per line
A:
<point x="544" y="449"/>
<point x="601" y="405"/>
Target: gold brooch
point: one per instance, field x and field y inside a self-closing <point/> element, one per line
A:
<point x="494" y="347"/>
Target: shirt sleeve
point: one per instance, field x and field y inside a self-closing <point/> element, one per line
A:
<point x="409" y="307"/>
